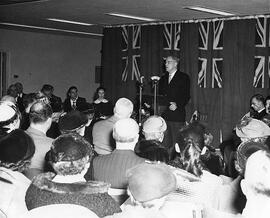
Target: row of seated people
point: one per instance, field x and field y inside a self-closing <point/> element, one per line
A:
<point x="101" y="106"/>
<point x="192" y="158"/>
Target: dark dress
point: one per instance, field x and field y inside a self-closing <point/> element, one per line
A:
<point x="102" y="109"/>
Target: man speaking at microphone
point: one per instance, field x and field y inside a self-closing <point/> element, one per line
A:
<point x="175" y="86"/>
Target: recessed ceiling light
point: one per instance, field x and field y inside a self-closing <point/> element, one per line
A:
<point x="69" y="21"/>
<point x="51" y="29"/>
<point x="131" y="16"/>
<point x="208" y="10"/>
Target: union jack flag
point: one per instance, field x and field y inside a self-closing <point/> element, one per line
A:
<point x="171" y="35"/>
<point x="262" y="51"/>
<point x="210" y="61"/>
<point x="131" y="44"/>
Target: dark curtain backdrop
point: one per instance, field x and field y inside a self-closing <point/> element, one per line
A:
<point x="222" y="106"/>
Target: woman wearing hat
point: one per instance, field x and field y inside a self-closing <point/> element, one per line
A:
<point x="9" y="117"/>
<point x="16" y="151"/>
<point x="70" y="157"/>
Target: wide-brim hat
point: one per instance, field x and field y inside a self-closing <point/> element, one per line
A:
<point x="72" y="121"/>
<point x="149" y="181"/>
<point x="16" y="147"/>
<point x="252" y="128"/>
<point x="246" y="149"/>
<point x="8" y="112"/>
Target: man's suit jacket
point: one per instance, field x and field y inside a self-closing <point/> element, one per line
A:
<point x="178" y="90"/>
<point x="56" y="103"/>
<point x="20" y="103"/>
<point x="79" y="104"/>
<point x="259" y="116"/>
<point x="112" y="167"/>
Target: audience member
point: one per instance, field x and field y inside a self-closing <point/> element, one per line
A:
<point x="28" y="101"/>
<point x="9" y="117"/>
<point x="40" y="121"/>
<point x="195" y="154"/>
<point x="16" y="151"/>
<point x="73" y="101"/>
<point x="55" y="102"/>
<point x="103" y="107"/>
<point x="73" y="122"/>
<point x="102" y="130"/>
<point x="152" y="150"/>
<point x="89" y="111"/>
<point x="70" y="157"/>
<point x="9" y="98"/>
<point x="256" y="185"/>
<point x="258" y="110"/>
<point x="254" y="129"/>
<point x="12" y="91"/>
<point x="20" y="96"/>
<point x="148" y="185"/>
<point x="112" y="168"/>
<point x="154" y="128"/>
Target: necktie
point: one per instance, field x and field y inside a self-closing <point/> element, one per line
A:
<point x="74" y="105"/>
<point x="170" y="78"/>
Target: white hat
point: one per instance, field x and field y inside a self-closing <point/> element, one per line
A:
<point x="154" y="124"/>
<point x="252" y="128"/>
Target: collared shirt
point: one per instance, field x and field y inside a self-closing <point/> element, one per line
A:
<point x="73" y="102"/>
<point x="261" y="110"/>
<point x="171" y="75"/>
<point x="101" y="101"/>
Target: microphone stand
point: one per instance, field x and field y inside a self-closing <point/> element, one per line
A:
<point x="140" y="103"/>
<point x="155" y="80"/>
<point x="155" y="96"/>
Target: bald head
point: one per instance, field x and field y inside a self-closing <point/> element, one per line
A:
<point x="40" y="112"/>
<point x="123" y="108"/>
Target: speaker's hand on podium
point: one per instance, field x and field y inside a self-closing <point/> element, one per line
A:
<point x="173" y="106"/>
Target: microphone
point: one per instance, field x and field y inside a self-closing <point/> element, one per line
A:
<point x="155" y="78"/>
<point x="141" y="79"/>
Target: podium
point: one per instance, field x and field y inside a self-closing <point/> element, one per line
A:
<point x="148" y="104"/>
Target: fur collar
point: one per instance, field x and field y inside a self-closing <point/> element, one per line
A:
<point x="44" y="181"/>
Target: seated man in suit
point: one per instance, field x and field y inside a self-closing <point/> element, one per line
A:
<point x="257" y="107"/>
<point x="112" y="168"/>
<point x="20" y="96"/>
<point x="55" y="102"/>
<point x="73" y="101"/>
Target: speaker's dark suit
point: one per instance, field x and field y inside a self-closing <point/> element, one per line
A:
<point x="80" y="103"/>
<point x="178" y="91"/>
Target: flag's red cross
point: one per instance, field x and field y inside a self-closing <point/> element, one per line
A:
<point x="262" y="52"/>
<point x="131" y="44"/>
<point x="210" y="62"/>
